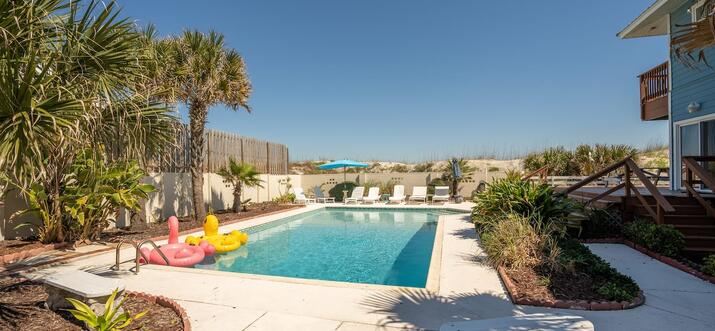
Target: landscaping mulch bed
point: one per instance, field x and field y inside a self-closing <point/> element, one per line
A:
<point x="533" y="284"/>
<point x="142" y="231"/>
<point x="10" y="246"/>
<point x="22" y="308"/>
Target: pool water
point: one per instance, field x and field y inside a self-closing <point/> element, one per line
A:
<point x="373" y="246"/>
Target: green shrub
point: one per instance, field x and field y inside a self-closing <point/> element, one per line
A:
<point x="337" y="190"/>
<point x="709" y="265"/>
<point x="603" y="223"/>
<point x="583" y="160"/>
<point x="513" y="195"/>
<point x="110" y="320"/>
<point x="660" y="238"/>
<point x="557" y="158"/>
<point x="285" y="198"/>
<point x="578" y="259"/>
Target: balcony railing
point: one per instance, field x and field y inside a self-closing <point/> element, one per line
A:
<point x="654" y="93"/>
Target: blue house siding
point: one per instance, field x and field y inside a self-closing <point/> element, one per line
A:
<point x="688" y="84"/>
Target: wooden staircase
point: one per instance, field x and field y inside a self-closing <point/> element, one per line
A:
<point x="691" y="212"/>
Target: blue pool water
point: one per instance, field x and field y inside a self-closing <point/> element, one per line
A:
<point x="374" y="246"/>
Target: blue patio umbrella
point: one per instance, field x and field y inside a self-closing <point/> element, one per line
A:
<point x="343" y="164"/>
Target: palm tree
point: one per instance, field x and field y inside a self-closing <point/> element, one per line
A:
<point x="203" y="73"/>
<point x="448" y="174"/>
<point x="71" y="79"/>
<point x="239" y="175"/>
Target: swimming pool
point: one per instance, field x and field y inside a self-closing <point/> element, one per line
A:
<point x="358" y="245"/>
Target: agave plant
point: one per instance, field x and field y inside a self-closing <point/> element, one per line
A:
<point x="110" y="320"/>
<point x="239" y="175"/>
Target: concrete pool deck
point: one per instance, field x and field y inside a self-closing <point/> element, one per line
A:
<point x="468" y="290"/>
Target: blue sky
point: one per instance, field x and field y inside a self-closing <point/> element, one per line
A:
<point x="412" y="80"/>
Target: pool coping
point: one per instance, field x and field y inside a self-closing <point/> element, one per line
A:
<point x="433" y="273"/>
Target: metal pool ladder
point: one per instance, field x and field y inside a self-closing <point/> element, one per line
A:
<point x="138" y="254"/>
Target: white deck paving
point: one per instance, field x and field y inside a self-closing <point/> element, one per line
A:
<point x="468" y="290"/>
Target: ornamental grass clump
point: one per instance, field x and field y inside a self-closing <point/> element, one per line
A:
<point x="514" y="243"/>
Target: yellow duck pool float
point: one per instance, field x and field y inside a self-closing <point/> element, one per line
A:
<point x="222" y="242"/>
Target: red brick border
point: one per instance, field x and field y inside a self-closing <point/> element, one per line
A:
<point x="165" y="302"/>
<point x="13" y="257"/>
<point x="566" y="304"/>
<point x="662" y="258"/>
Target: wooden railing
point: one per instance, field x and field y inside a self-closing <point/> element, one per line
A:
<point x="654" y="87"/>
<point x="543" y="173"/>
<point x="694" y="168"/>
<point x="629" y="167"/>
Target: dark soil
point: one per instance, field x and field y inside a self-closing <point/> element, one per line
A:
<point x="22" y="308"/>
<point x="533" y="284"/>
<point x="142" y="231"/>
<point x="13" y="246"/>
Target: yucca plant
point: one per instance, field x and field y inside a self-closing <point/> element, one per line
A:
<point x="238" y="175"/>
<point x="110" y="320"/>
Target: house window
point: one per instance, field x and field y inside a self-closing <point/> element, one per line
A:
<point x="701" y="9"/>
<point x="694" y="138"/>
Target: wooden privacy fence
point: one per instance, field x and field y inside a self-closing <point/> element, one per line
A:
<point x="267" y="157"/>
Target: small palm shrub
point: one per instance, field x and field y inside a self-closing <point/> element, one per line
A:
<point x="557" y="158"/>
<point x="660" y="238"/>
<point x="237" y="175"/>
<point x="709" y="265"/>
<point x="583" y="160"/>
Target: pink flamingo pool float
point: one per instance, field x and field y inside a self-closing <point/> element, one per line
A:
<point x="178" y="254"/>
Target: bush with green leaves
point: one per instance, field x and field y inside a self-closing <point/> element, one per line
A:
<point x="110" y="320"/>
<point x="578" y="259"/>
<point x="709" y="265"/>
<point x="337" y="190"/>
<point x="94" y="189"/>
<point x="239" y="175"/>
<point x="536" y="201"/>
<point x="285" y="198"/>
<point x="660" y="238"/>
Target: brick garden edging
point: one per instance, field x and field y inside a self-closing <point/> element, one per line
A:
<point x="165" y="302"/>
<point x="662" y="258"/>
<point x="13" y="257"/>
<point x="566" y="304"/>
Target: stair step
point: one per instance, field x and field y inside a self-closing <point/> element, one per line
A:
<point x="689" y="219"/>
<point x="699" y="249"/>
<point x="700" y="241"/>
<point x="679" y="210"/>
<point x="696" y="230"/>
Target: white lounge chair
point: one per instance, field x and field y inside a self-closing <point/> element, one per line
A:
<point x="300" y="196"/>
<point x="320" y="197"/>
<point x="398" y="194"/>
<point x="419" y="193"/>
<point x="373" y="194"/>
<point x="441" y="193"/>
<point x="356" y="196"/>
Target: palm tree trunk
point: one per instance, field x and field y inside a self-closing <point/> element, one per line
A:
<point x="237" y="198"/>
<point x="197" y="122"/>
